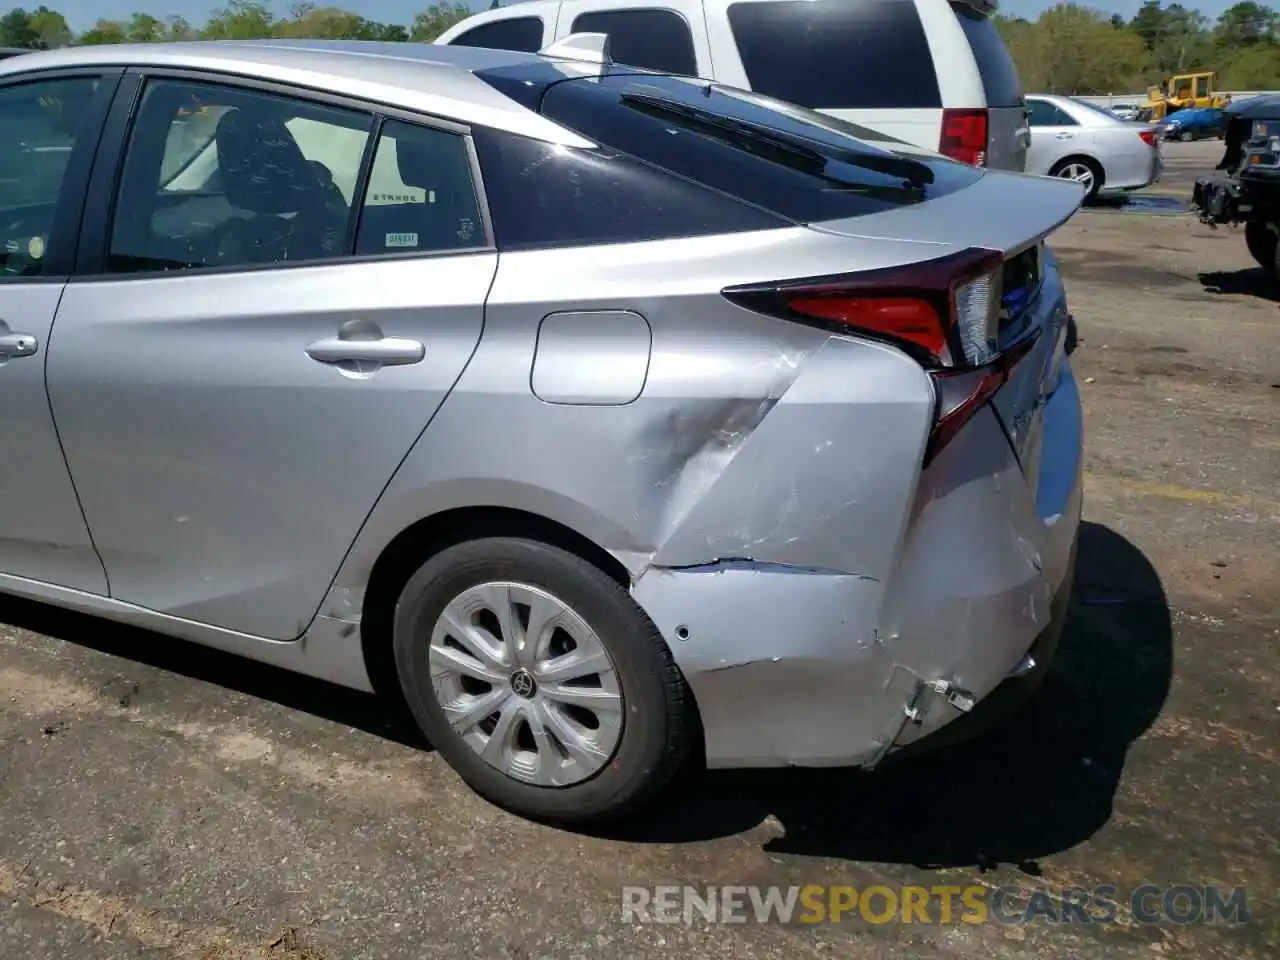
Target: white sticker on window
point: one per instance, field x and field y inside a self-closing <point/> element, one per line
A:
<point x="402" y="239"/>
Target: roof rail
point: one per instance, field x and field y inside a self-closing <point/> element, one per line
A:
<point x="587" y="47"/>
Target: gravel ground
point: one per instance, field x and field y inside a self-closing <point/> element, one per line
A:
<point x="160" y="801"/>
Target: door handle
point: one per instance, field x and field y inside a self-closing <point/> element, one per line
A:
<point x="386" y="351"/>
<point x="1064" y="136"/>
<point x="17" y="345"/>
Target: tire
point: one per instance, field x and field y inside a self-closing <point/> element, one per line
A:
<point x="1063" y="167"/>
<point x="1262" y="244"/>
<point x="1186" y="136"/>
<point x="655" y="712"/>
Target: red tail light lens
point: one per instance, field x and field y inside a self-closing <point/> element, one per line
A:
<point x="943" y="312"/>
<point x="1148" y="137"/>
<point x="964" y="136"/>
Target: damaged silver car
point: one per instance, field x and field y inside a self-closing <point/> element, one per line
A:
<point x="598" y="412"/>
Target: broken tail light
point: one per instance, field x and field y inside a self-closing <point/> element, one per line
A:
<point x="1148" y="137"/>
<point x="945" y="313"/>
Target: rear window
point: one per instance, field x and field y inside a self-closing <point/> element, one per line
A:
<point x="790" y="161"/>
<point x="523" y="34"/>
<point x="832" y="54"/>
<point x="1000" y="81"/>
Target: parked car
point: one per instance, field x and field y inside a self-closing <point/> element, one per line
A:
<point x="1078" y="141"/>
<point x="1126" y="112"/>
<point x="932" y="73"/>
<point x="1195" y="124"/>
<point x="598" y="411"/>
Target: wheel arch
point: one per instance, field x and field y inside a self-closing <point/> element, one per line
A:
<point x="417" y="543"/>
<point x="1088" y="158"/>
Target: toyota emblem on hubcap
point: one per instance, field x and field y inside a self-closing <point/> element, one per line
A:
<point x="522" y="684"/>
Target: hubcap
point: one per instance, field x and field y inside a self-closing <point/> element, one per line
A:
<point x="1078" y="172"/>
<point x="526" y="683"/>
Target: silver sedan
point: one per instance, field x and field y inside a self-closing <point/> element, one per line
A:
<point x="1077" y="141"/>
<point x="604" y="414"/>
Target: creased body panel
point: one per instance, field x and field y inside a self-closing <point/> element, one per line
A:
<point x="631" y="476"/>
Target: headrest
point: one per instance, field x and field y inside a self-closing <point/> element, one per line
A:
<point x="263" y="169"/>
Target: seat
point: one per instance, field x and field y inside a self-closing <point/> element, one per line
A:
<point x="295" y="211"/>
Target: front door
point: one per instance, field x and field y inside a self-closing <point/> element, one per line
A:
<point x="48" y="132"/>
<point x="240" y="383"/>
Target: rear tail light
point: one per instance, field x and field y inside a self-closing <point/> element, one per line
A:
<point x="964" y="136"/>
<point x="945" y="313"/>
<point x="1148" y="137"/>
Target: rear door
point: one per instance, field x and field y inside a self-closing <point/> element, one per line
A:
<point x="1008" y="135"/>
<point x="260" y="339"/>
<point x="865" y="61"/>
<point x="1054" y="135"/>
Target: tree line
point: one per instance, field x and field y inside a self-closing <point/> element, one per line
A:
<point x="1070" y="48"/>
<point x="1075" y="49"/>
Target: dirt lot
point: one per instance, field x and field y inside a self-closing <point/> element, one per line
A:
<point x="161" y="801"/>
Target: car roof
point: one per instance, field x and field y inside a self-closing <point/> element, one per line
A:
<point x="438" y="80"/>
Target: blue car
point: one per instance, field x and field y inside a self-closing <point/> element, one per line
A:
<point x="1194" y="124"/>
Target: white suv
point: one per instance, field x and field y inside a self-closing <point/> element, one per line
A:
<point x="932" y="73"/>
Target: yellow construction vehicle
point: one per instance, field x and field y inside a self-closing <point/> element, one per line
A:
<point x="1179" y="92"/>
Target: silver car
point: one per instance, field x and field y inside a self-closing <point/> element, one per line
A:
<point x="1078" y="141"/>
<point x="602" y="413"/>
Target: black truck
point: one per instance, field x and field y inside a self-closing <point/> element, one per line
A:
<point x="1245" y="187"/>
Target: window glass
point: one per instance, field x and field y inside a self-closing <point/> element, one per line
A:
<point x="833" y="54"/>
<point x="1202" y="86"/>
<point x="39" y="124"/>
<point x="513" y="33"/>
<point x="649" y="39"/>
<point x="796" y="163"/>
<point x="1000" y="82"/>
<point x="223" y="177"/>
<point x="421" y="196"/>
<point x="1045" y="114"/>
<point x="544" y="195"/>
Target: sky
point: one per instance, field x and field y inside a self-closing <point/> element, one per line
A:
<point x="82" y="14"/>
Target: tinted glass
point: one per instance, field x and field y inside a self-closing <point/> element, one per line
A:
<point x="421" y="196"/>
<point x="1045" y="114"/>
<point x="652" y="39"/>
<point x="831" y="54"/>
<point x="793" y="162"/>
<point x="1000" y="81"/>
<point x="39" y="126"/>
<point x="220" y="177"/>
<point x="517" y="33"/>
<point x="542" y="195"/>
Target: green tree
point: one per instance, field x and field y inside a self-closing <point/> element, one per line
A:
<point x="1245" y="24"/>
<point x="18" y="30"/>
<point x="240" y="20"/>
<point x="177" y="29"/>
<point x="51" y="28"/>
<point x="104" y="31"/>
<point x="436" y="19"/>
<point x="144" y="28"/>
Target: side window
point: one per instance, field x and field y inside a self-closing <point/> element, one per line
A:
<point x="38" y="128"/>
<point x="837" y="54"/>
<point x="1202" y="86"/>
<point x="513" y="33"/>
<point x="421" y="195"/>
<point x="1046" y="114"/>
<point x="224" y="177"/>
<point x="650" y="39"/>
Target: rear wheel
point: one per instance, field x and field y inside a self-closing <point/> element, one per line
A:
<point x="540" y="681"/>
<point x="1262" y="244"/>
<point x="1186" y="136"/>
<point x="1084" y="171"/>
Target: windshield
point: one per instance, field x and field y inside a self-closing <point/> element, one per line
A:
<point x="1100" y="111"/>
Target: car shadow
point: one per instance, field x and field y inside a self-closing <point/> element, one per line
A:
<point x="1038" y="784"/>
<point x="1253" y="282"/>
<point x="387" y="718"/>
